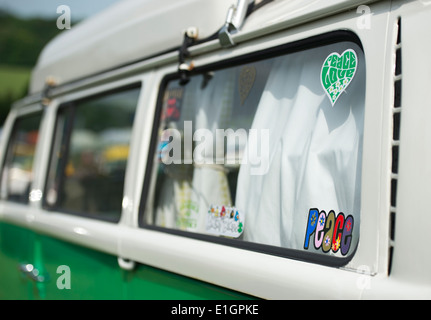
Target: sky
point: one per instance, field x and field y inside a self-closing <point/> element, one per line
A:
<point x="79" y="9"/>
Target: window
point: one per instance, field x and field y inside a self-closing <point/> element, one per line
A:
<point x="17" y="175"/>
<point x="264" y="155"/>
<point x="89" y="155"/>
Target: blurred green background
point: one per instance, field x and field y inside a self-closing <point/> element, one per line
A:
<point x="21" y="41"/>
<point x="26" y="26"/>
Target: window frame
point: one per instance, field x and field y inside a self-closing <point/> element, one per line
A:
<point x="73" y="103"/>
<point x="24" y="113"/>
<point x="317" y="41"/>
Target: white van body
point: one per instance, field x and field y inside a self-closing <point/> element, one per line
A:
<point x="138" y="41"/>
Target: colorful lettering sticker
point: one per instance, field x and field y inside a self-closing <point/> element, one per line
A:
<point x="225" y="221"/>
<point x="337" y="73"/>
<point x="329" y="232"/>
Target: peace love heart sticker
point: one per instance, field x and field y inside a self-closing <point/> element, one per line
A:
<point x="337" y="73"/>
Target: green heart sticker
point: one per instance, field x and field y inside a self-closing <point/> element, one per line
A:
<point x="337" y="73"/>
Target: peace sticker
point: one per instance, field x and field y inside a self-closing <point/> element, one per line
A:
<point x="329" y="232"/>
<point x="337" y="73"/>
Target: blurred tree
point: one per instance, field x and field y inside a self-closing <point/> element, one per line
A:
<point x="21" y="41"/>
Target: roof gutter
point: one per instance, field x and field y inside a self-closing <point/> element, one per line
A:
<point x="228" y="36"/>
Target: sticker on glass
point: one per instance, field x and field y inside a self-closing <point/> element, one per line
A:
<point x="338" y="72"/>
<point x="173" y="101"/>
<point x="329" y="232"/>
<point x="225" y="221"/>
<point x="247" y="78"/>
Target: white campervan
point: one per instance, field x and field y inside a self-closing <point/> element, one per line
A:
<point x="224" y="149"/>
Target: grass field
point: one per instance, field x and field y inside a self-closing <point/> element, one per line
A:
<point x="13" y="79"/>
<point x="13" y="86"/>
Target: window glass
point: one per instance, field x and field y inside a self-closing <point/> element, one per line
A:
<point x="89" y="157"/>
<point x="17" y="175"/>
<point x="268" y="152"/>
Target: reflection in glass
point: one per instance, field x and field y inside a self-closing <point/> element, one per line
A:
<point x="17" y="173"/>
<point x="91" y="148"/>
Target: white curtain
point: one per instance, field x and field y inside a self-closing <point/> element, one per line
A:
<point x="314" y="150"/>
